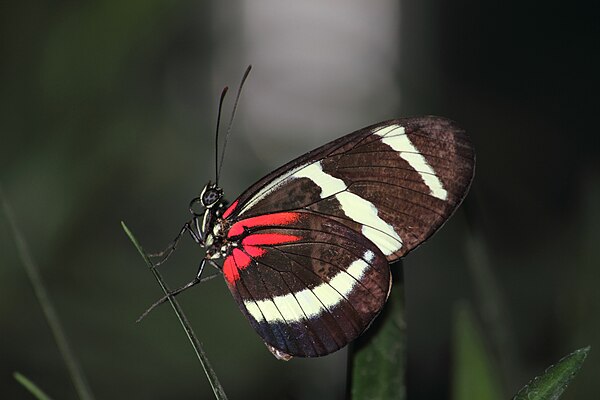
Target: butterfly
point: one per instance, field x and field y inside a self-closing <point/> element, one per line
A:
<point x="306" y="249"/>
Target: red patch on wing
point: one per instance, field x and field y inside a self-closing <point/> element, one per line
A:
<point x="232" y="207"/>
<point x="241" y="259"/>
<point x="235" y="262"/>
<point x="259" y="239"/>
<point x="230" y="270"/>
<point x="254" y="251"/>
<point x="282" y="218"/>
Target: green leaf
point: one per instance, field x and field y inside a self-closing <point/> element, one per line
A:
<point x="474" y="372"/>
<point x="553" y="382"/>
<point x="32" y="387"/>
<point x="378" y="358"/>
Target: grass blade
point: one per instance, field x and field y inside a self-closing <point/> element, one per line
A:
<point x="474" y="375"/>
<point x="496" y="320"/>
<point x="75" y="370"/>
<point x="31" y="387"/>
<point x="553" y="382"/>
<point x="210" y="373"/>
<point x="378" y="358"/>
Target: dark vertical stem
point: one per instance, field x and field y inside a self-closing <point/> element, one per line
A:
<point x="377" y="360"/>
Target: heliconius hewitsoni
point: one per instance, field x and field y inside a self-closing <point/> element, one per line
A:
<point x="306" y="249"/>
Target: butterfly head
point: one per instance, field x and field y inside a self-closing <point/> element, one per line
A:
<point x="211" y="195"/>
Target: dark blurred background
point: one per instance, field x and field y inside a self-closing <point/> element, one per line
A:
<point x="108" y="112"/>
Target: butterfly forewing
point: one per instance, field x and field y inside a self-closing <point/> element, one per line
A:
<point x="395" y="182"/>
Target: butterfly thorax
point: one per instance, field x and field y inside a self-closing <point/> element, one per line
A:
<point x="213" y="228"/>
<point x="216" y="242"/>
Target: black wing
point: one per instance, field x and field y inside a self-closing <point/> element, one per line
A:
<point x="309" y="268"/>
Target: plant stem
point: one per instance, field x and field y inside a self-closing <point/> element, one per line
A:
<point x="378" y="358"/>
<point x="208" y="370"/>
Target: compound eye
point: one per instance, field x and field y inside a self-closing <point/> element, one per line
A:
<point x="210" y="197"/>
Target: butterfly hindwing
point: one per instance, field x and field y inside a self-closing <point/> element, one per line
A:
<point x="308" y="284"/>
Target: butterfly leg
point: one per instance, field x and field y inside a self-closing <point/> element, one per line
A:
<point x="200" y="269"/>
<point x="214" y="264"/>
<point x="166" y="253"/>
<point x="175" y="292"/>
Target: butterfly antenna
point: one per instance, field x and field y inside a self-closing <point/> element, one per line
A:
<point x="223" y="93"/>
<point x="237" y="98"/>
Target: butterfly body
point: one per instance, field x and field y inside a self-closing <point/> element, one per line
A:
<point x="306" y="249"/>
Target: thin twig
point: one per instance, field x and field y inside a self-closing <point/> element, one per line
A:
<point x="208" y="370"/>
<point x="75" y="370"/>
